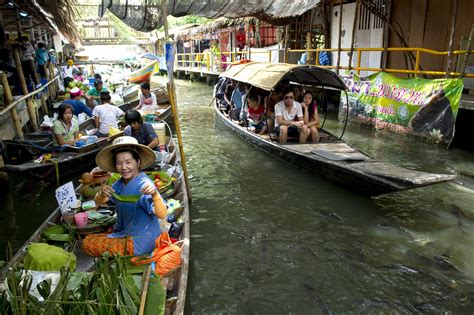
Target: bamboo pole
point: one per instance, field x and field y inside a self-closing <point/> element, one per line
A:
<point x="174" y="108"/>
<point x="339" y="39"/>
<point x="451" y="37"/>
<point x="468" y="52"/>
<point x="8" y="100"/>
<point x="354" y="27"/>
<point x="29" y="102"/>
<point x="309" y="44"/>
<point x="285" y="58"/>
<point x="35" y="74"/>
<point x="146" y="284"/>
<point x="386" y="28"/>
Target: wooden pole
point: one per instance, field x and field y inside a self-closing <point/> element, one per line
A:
<point x="174" y="108"/>
<point x="454" y="9"/>
<point x="468" y="52"/>
<point x="29" y="102"/>
<point x="354" y="27"/>
<point x="35" y="73"/>
<point x="386" y="28"/>
<point x="309" y="46"/>
<point x="285" y="58"/>
<point x="339" y="40"/>
<point x="8" y="100"/>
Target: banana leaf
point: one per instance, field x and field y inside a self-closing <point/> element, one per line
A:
<point x="155" y="298"/>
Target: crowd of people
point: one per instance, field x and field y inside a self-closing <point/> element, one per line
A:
<point x="288" y="111"/>
<point x="106" y="116"/>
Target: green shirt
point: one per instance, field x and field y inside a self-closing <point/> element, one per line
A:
<point x="59" y="128"/>
<point x="94" y="92"/>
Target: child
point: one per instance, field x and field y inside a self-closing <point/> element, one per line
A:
<point x="255" y="115"/>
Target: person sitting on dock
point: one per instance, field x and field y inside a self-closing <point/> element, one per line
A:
<point x="106" y="115"/>
<point x="148" y="101"/>
<point x="142" y="131"/>
<point x="138" y="224"/>
<point x="255" y="115"/>
<point x="311" y="116"/>
<point x="65" y="128"/>
<point x="78" y="106"/>
<point x="289" y="118"/>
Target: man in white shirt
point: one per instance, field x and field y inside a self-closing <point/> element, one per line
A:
<point x="27" y="59"/>
<point x="289" y="118"/>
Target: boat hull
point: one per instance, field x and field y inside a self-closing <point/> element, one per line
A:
<point x="365" y="176"/>
<point x="144" y="74"/>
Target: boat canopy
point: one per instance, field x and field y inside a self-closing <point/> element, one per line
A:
<point x="266" y="75"/>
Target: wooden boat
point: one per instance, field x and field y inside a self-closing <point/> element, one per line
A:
<point x="331" y="158"/>
<point x="175" y="282"/>
<point x="19" y="155"/>
<point x="143" y="74"/>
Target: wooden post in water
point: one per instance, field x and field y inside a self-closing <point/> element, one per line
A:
<point x="29" y="101"/>
<point x="451" y="38"/>
<point x="174" y="108"/>
<point x="339" y="40"/>
<point x="8" y="100"/>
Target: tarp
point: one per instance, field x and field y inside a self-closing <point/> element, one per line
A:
<point x="146" y="15"/>
<point x="266" y="75"/>
<point x="425" y="107"/>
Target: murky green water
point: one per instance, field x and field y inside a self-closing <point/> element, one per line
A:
<point x="267" y="237"/>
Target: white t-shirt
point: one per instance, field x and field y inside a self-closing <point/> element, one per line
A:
<point x="152" y="107"/>
<point x="108" y="115"/>
<point x="280" y="110"/>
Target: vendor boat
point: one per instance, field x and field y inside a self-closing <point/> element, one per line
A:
<point x="331" y="158"/>
<point x="170" y="288"/>
<point x="143" y="74"/>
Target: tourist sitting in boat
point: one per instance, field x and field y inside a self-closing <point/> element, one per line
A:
<point x="142" y="131"/>
<point x="236" y="101"/>
<point x="298" y="93"/>
<point x="229" y="90"/>
<point x="270" y="102"/>
<point x="106" y="115"/>
<point x="78" y="106"/>
<point x="65" y="128"/>
<point x="311" y="116"/>
<point x="289" y="118"/>
<point x="255" y="115"/>
<point x="148" y="101"/>
<point x="95" y="92"/>
<point x="138" y="226"/>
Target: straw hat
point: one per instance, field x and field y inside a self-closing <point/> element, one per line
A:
<point x="105" y="160"/>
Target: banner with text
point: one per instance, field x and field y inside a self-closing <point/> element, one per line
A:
<point x="425" y="107"/>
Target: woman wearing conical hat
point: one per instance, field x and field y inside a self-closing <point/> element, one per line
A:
<point x="138" y="225"/>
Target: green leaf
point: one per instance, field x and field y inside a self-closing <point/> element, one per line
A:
<point x="155" y="298"/>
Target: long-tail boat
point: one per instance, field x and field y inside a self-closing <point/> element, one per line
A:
<point x="330" y="158"/>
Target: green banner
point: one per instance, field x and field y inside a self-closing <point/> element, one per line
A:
<point x="425" y="107"/>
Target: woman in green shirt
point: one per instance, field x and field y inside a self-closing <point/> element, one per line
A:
<point x="65" y="128"/>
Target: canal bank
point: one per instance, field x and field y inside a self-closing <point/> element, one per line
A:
<point x="269" y="237"/>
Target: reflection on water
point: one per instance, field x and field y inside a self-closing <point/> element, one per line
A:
<point x="269" y="237"/>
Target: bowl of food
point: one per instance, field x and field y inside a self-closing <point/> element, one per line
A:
<point x="99" y="175"/>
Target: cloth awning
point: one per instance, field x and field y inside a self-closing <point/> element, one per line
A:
<point x="266" y="75"/>
<point x="146" y="15"/>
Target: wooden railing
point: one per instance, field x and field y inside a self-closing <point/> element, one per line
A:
<point x="213" y="63"/>
<point x="11" y="105"/>
<point x="416" y="71"/>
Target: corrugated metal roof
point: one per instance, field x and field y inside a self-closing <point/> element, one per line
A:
<point x="266" y="75"/>
<point x="146" y="15"/>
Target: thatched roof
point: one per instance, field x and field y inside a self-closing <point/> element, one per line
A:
<point x="59" y="15"/>
<point x="146" y="15"/>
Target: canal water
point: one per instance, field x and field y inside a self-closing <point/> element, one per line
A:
<point x="268" y="237"/>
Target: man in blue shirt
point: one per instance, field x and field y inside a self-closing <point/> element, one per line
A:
<point x="236" y="101"/>
<point x="78" y="106"/>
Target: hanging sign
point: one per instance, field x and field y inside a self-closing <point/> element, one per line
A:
<point x="425" y="107"/>
<point x="66" y="196"/>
